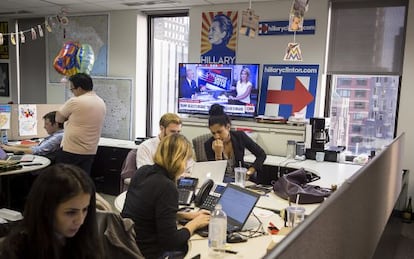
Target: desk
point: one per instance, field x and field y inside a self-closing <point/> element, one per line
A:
<point x="330" y="173"/>
<point x="253" y="248"/>
<point x="40" y="161"/>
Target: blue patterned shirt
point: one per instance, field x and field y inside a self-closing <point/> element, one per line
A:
<point x="49" y="144"/>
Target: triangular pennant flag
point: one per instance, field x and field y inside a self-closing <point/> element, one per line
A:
<point x="33" y="32"/>
<point x="39" y="28"/>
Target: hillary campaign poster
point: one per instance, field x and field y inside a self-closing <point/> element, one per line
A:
<point x="288" y="89"/>
<point x="219" y="37"/>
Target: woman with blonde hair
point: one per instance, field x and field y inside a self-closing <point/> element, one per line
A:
<point x="152" y="201"/>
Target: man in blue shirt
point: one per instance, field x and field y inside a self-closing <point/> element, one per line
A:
<point x="48" y="145"/>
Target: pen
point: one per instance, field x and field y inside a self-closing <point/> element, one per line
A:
<point x="226" y="251"/>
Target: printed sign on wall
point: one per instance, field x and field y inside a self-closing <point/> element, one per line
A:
<point x="288" y="89"/>
<point x="219" y="37"/>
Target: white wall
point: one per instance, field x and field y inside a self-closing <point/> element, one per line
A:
<point x="127" y="57"/>
<point x="405" y="116"/>
<point x="270" y="50"/>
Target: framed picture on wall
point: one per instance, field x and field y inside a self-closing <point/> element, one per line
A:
<point x="4" y="79"/>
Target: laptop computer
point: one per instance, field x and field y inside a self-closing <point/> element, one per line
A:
<point x="17" y="158"/>
<point x="213" y="170"/>
<point x="237" y="203"/>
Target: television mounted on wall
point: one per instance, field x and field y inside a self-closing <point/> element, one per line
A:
<point x="202" y="85"/>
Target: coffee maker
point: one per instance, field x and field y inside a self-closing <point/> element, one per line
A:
<point x="320" y="134"/>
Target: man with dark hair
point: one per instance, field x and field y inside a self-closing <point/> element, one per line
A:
<point x="48" y="145"/>
<point x="84" y="116"/>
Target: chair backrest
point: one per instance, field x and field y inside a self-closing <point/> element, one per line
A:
<point x="198" y="145"/>
<point x="129" y="167"/>
<point x="118" y="236"/>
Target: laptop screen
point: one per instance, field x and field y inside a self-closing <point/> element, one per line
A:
<point x="238" y="203"/>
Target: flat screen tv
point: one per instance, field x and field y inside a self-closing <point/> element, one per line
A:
<point x="235" y="86"/>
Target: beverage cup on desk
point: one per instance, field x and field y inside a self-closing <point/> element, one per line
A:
<point x="320" y="156"/>
<point x="295" y="215"/>
<point x="240" y="176"/>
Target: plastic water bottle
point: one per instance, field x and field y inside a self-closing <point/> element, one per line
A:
<point x="217" y="231"/>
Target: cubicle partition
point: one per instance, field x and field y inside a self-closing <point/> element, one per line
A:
<point x="41" y="109"/>
<point x="349" y="224"/>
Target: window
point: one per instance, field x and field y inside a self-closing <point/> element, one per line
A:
<point x="360" y="93"/>
<point x="168" y="47"/>
<point x="364" y="66"/>
<point x="366" y="115"/>
<point x="359" y="105"/>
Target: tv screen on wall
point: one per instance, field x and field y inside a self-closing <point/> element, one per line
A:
<point x="235" y="86"/>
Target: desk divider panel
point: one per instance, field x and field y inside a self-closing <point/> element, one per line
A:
<point x="42" y="109"/>
<point x="349" y="224"/>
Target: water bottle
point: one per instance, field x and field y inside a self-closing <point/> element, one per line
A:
<point x="217" y="231"/>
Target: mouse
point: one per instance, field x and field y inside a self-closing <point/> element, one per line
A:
<point x="235" y="238"/>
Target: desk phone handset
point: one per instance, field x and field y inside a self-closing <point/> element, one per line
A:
<point x="208" y="195"/>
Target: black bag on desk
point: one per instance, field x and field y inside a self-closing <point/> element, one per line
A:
<point x="296" y="182"/>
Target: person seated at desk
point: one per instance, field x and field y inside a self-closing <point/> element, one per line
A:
<point x="48" y="145"/>
<point x="230" y="144"/>
<point x="170" y="123"/>
<point x="59" y="219"/>
<point x="152" y="201"/>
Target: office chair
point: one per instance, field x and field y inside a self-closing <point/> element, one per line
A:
<point x="198" y="145"/>
<point x="129" y="167"/>
<point x="118" y="236"/>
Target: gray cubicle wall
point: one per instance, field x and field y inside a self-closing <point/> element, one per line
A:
<point x="349" y="224"/>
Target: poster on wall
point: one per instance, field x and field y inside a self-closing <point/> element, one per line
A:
<point x="5" y="111"/>
<point x="4" y="41"/>
<point x="219" y="37"/>
<point x="27" y="120"/>
<point x="288" y="90"/>
<point x="4" y="80"/>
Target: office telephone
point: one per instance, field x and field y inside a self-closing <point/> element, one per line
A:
<point x="208" y="195"/>
<point x="186" y="187"/>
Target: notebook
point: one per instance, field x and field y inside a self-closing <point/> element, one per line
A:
<point x="237" y="203"/>
<point x="213" y="170"/>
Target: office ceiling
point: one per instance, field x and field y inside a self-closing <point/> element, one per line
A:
<point x="36" y="8"/>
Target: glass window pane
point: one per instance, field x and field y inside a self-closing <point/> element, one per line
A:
<point x="169" y="47"/>
<point x="364" y="118"/>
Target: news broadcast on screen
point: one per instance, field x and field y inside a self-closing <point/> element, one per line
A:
<point x="235" y="86"/>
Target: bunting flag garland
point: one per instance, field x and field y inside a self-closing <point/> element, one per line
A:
<point x="36" y="30"/>
<point x="34" y="36"/>
<point x="22" y="38"/>
<point x="12" y="39"/>
<point x="39" y="28"/>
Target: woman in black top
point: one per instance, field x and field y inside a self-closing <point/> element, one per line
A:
<point x="59" y="218"/>
<point x="152" y="201"/>
<point x="229" y="144"/>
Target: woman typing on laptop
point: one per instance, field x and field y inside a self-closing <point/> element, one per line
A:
<point x="230" y="145"/>
<point x="152" y="201"/>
